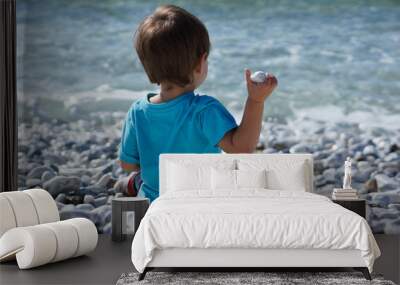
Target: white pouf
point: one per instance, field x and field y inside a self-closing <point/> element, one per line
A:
<point x="31" y="231"/>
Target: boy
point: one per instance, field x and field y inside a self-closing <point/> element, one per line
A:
<point x="173" y="47"/>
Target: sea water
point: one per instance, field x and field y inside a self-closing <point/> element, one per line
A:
<point x="335" y="60"/>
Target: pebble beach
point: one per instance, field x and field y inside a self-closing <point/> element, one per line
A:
<point x="76" y="162"/>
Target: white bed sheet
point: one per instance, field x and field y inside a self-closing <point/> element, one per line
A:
<point x="251" y="218"/>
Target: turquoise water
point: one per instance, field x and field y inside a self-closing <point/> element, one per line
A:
<point x="334" y="59"/>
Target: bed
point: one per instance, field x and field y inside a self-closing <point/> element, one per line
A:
<point x="245" y="211"/>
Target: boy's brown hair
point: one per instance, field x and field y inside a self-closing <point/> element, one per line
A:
<point x="170" y="43"/>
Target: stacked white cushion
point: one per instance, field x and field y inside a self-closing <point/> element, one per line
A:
<point x="283" y="173"/>
<point x="26" y="208"/>
<point x="87" y="235"/>
<point x="22" y="207"/>
<point x="31" y="231"/>
<point x="7" y="219"/>
<point x="67" y="237"/>
<point x="46" y="208"/>
<point x="41" y="244"/>
<point x="32" y="246"/>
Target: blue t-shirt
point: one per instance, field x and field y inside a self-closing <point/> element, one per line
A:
<point x="188" y="123"/>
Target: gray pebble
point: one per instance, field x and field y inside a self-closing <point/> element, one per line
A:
<point x="325" y="190"/>
<point x="320" y="181"/>
<point x="100" y="201"/>
<point x="393" y="156"/>
<point x="386" y="183"/>
<point x="33" y="182"/>
<point x="329" y="175"/>
<point x="394" y="206"/>
<point x="47" y="175"/>
<point x="74" y="172"/>
<point x="59" y="205"/>
<point x="105" y="180"/>
<point x="93" y="190"/>
<point x="301" y="148"/>
<point x="103" y="214"/>
<point x="69" y="207"/>
<point x="107" y="229"/>
<point x="38" y="171"/>
<point x="362" y="175"/>
<point x="369" y="150"/>
<point x="62" y="184"/>
<point x="61" y="198"/>
<point x="85" y="207"/>
<point x="54" y="159"/>
<point x="66" y="214"/>
<point x="86" y="179"/>
<point x="88" y="199"/>
<point x="383" y="199"/>
<point x="363" y="164"/>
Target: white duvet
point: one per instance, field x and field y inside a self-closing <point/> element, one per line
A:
<point x="251" y="218"/>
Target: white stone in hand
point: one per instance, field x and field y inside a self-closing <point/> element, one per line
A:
<point x="258" y="77"/>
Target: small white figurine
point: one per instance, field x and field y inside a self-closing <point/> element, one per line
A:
<point x="258" y="76"/>
<point x="347" y="174"/>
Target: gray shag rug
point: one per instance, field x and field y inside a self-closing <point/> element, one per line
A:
<point x="242" y="278"/>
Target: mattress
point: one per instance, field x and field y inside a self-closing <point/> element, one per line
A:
<point x="250" y="218"/>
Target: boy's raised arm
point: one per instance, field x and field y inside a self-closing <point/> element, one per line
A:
<point x="244" y="138"/>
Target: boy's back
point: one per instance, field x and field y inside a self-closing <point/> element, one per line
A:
<point x="189" y="123"/>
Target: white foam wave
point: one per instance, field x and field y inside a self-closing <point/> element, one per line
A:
<point x="103" y="92"/>
<point x="377" y="117"/>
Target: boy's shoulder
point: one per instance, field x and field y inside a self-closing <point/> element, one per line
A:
<point x="138" y="103"/>
<point x="205" y="101"/>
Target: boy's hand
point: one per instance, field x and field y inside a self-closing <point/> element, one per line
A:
<point x="260" y="91"/>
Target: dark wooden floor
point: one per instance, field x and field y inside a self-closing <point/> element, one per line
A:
<point x="106" y="264"/>
<point x="102" y="266"/>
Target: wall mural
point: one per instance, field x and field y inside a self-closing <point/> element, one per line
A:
<point x="338" y="65"/>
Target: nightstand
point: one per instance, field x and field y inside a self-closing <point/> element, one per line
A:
<point x="357" y="206"/>
<point x="121" y="208"/>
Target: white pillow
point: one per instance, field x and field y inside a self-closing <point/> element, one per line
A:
<point x="282" y="173"/>
<point x="188" y="175"/>
<point x="251" y="178"/>
<point x="222" y="179"/>
<point x="279" y="180"/>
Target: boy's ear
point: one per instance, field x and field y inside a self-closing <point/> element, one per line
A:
<point x="202" y="60"/>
